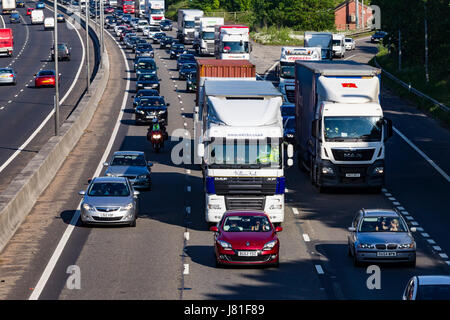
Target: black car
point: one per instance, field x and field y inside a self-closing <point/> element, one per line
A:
<point x="60" y="18"/>
<point x="145" y="65"/>
<point x="14" y="18"/>
<point x="147" y="81"/>
<point x="158" y="36"/>
<point x="166" y="25"/>
<point x="186" y="69"/>
<point x="289" y="129"/>
<point x="111" y="22"/>
<point x="144" y="93"/>
<point x="20" y="4"/>
<point x="184" y="59"/>
<point x="144" y="50"/>
<point x="378" y="36"/>
<point x="172" y="42"/>
<point x="176" y="50"/>
<point x="191" y="82"/>
<point x="165" y="41"/>
<point x="63" y="52"/>
<point x="150" y="108"/>
<point x="139" y="42"/>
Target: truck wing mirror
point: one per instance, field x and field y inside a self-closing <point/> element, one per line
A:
<point x="389" y="129"/>
<point x="200" y="150"/>
<point x="314" y="128"/>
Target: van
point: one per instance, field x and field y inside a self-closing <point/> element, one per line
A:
<point x="339" y="45"/>
<point x="49" y="23"/>
<point x="37" y="17"/>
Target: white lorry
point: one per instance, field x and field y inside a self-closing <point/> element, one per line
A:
<point x="49" y="23"/>
<point x="232" y="42"/>
<point x="341" y="131"/>
<point x="37" y="17"/>
<point x="204" y="38"/>
<point x="242" y="148"/>
<point x="155" y="11"/>
<point x="339" y="45"/>
<point x="188" y="23"/>
<point x="8" y="6"/>
<point x="286" y="68"/>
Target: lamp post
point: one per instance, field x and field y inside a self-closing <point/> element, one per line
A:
<point x="55" y="55"/>
<point x="87" y="47"/>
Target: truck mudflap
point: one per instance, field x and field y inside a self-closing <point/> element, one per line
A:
<point x="351" y="175"/>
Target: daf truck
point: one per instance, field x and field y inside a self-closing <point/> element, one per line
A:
<point x="324" y="40"/>
<point x="204" y="38"/>
<point x="340" y="127"/>
<point x="188" y="23"/>
<point x="232" y="42"/>
<point x="242" y="148"/>
<point x="286" y="68"/>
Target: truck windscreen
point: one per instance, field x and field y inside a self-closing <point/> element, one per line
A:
<point x="235" y="47"/>
<point x="287" y="70"/>
<point x="367" y="129"/>
<point x="208" y="35"/>
<point x="189" y="24"/>
<point x="243" y="154"/>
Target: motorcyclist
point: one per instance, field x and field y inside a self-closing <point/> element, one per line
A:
<point x="156" y="128"/>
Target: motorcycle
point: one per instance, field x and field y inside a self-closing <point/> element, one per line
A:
<point x="157" y="137"/>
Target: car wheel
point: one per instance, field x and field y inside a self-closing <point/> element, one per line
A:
<point x="349" y="251"/>
<point x="356" y="262"/>
<point x="133" y="223"/>
<point x="411" y="264"/>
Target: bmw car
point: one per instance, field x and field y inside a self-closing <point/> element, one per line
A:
<point x="428" y="287"/>
<point x="131" y="165"/>
<point x="381" y="235"/>
<point x="246" y="238"/>
<point x="109" y="200"/>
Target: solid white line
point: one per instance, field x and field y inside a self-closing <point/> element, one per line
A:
<point x="431" y="162"/>
<point x="64" y="239"/>
<point x="3" y="21"/>
<point x="186" y="269"/>
<point x="319" y="269"/>
<point x="49" y="116"/>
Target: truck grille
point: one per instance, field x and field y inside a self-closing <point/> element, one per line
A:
<point x="242" y="203"/>
<point x="353" y="155"/>
<point x="245" y="185"/>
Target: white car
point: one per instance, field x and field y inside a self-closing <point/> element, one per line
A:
<point x="141" y="24"/>
<point x="349" y="44"/>
<point x="153" y="30"/>
<point x="49" y="23"/>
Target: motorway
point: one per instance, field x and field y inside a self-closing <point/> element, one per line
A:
<point x="26" y="121"/>
<point x="169" y="255"/>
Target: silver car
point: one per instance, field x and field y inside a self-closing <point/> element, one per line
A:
<point x="381" y="235"/>
<point x="109" y="200"/>
<point x="7" y="76"/>
<point x="427" y="288"/>
<point x="131" y="165"/>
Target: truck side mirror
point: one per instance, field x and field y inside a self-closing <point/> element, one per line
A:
<point x="196" y="109"/>
<point x="389" y="129"/>
<point x="200" y="150"/>
<point x="314" y="129"/>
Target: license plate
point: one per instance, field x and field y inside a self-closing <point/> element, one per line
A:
<point x="386" y="254"/>
<point x="4" y="76"/>
<point x="247" y="253"/>
<point x="352" y="175"/>
<point x="107" y="215"/>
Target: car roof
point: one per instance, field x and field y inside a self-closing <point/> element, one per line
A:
<point x="433" y="280"/>
<point x="380" y="212"/>
<point x="109" y="179"/>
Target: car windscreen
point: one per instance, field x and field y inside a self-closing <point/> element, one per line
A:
<point x="189" y="57"/>
<point x="108" y="189"/>
<point x="146" y="92"/>
<point x="46" y="73"/>
<point x="382" y="224"/>
<point x="246" y="224"/>
<point x="152" y="102"/>
<point x="128" y="160"/>
<point x="433" y="292"/>
<point x="147" y="77"/>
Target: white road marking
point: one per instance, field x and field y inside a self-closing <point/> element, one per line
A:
<point x="306" y="238"/>
<point x="188" y="171"/>
<point x="396" y="203"/>
<point x="295" y="210"/>
<point x="443" y="255"/>
<point x="186" y="236"/>
<point x="3" y="21"/>
<point x="425" y="235"/>
<point x="414" y="223"/>
<point x="391" y="198"/>
<point x="437" y="248"/>
<point x="431" y="162"/>
<point x="431" y="241"/>
<point x="188" y="210"/>
<point x="188" y="188"/>
<point x="405" y="213"/>
<point x="400" y="208"/>
<point x="186" y="269"/>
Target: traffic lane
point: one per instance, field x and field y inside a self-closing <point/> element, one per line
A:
<point x="420" y="190"/>
<point x="325" y="218"/>
<point x="32" y="105"/>
<point x="295" y="279"/>
<point x="19" y="31"/>
<point x="425" y="132"/>
<point x="148" y="255"/>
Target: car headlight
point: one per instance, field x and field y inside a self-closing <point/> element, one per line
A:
<point x="128" y="206"/>
<point x="156" y="136"/>
<point x="110" y="174"/>
<point x="140" y="84"/>
<point x="88" y="207"/>
<point x="140" y="111"/>
<point x="406" y="246"/>
<point x="161" y="112"/>
<point x="224" y="245"/>
<point x="366" y="246"/>
<point x="269" y="245"/>
<point x="144" y="176"/>
<point x="327" y="170"/>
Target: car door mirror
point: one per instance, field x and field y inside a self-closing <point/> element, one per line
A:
<point x="105" y="164"/>
<point x="278" y="229"/>
<point x="413" y="229"/>
<point x="136" y="193"/>
<point x="82" y="192"/>
<point x="168" y="104"/>
<point x="214" y="229"/>
<point x="352" y="229"/>
<point x="149" y="164"/>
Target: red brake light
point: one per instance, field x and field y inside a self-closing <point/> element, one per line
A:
<point x="11" y="76"/>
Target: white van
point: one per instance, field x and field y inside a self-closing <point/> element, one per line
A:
<point x="49" y="23"/>
<point x="338" y="45"/>
<point x="37" y="17"/>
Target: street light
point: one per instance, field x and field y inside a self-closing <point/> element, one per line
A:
<point x="87" y="47"/>
<point x="55" y="55"/>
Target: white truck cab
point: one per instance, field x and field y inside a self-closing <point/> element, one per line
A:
<point x="232" y="42"/>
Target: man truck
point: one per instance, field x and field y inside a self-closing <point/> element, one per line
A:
<point x="204" y="38"/>
<point x="188" y="23"/>
<point x="340" y="127"/>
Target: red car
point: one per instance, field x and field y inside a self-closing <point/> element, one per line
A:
<point x="29" y="11"/>
<point x="45" y="78"/>
<point x="109" y="10"/>
<point x="246" y="237"/>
